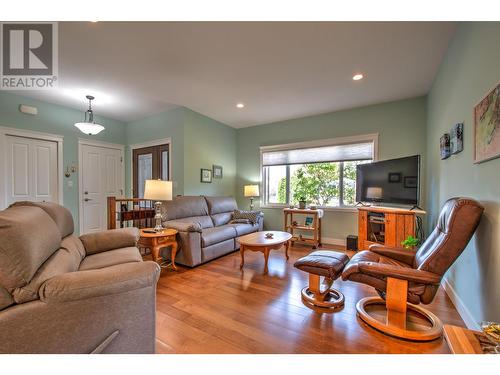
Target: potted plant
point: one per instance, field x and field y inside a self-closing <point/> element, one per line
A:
<point x="410" y="242"/>
<point x="302" y="202"/>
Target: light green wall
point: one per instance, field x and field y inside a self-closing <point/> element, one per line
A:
<point x="58" y="120"/>
<point x="163" y="125"/>
<point x="401" y="129"/>
<point x="470" y="68"/>
<point x="208" y="142"/>
<point x="197" y="142"/>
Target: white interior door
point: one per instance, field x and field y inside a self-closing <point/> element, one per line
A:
<point x="101" y="176"/>
<point x="31" y="170"/>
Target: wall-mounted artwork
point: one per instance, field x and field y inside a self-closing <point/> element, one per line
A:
<point x="444" y="146"/>
<point x="457" y="138"/>
<point x="206" y="175"/>
<point x="487" y="127"/>
<point x="217" y="171"/>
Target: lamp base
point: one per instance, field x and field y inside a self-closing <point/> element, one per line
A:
<point x="158" y="227"/>
<point x="251" y="204"/>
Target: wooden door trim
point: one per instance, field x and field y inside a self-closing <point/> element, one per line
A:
<point x="156" y="142"/>
<point x="100" y="144"/>
<point x="5" y="131"/>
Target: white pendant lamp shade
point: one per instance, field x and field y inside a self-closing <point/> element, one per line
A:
<point x="89" y="126"/>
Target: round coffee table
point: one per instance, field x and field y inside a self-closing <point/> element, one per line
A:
<point x="259" y="242"/>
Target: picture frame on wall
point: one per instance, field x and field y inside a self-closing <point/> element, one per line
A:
<point x="206" y="175"/>
<point x="487" y="126"/>
<point x="444" y="146"/>
<point x="217" y="171"/>
<point x="457" y="138"/>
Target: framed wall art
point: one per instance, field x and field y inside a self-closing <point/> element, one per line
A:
<point x="487" y="126"/>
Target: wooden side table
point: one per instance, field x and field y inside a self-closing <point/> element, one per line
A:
<point x="315" y="227"/>
<point x="156" y="241"/>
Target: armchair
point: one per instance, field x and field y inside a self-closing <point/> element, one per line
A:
<point x="401" y="276"/>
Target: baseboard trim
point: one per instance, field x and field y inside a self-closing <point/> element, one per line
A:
<point x="333" y="241"/>
<point x="463" y="311"/>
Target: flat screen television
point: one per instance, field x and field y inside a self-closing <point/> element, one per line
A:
<point x="395" y="181"/>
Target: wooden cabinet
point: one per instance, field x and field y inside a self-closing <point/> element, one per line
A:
<point x="385" y="225"/>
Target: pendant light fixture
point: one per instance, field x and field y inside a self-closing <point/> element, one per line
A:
<point x="89" y="126"/>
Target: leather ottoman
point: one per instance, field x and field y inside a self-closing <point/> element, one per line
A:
<point x="326" y="264"/>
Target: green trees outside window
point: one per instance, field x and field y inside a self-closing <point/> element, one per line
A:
<point x="321" y="184"/>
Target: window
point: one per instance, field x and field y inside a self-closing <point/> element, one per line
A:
<point x="323" y="173"/>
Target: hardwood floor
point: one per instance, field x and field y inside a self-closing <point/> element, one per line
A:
<point x="216" y="308"/>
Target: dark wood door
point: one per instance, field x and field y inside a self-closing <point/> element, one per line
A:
<point x="149" y="163"/>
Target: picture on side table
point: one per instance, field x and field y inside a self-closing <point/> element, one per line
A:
<point x="206" y="175"/>
<point x="487" y="127"/>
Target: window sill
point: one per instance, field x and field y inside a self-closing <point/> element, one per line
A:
<point x="326" y="209"/>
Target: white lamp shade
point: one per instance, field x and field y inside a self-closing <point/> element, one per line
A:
<point x="89" y="128"/>
<point x="251" y="190"/>
<point x="374" y="192"/>
<point x="158" y="190"/>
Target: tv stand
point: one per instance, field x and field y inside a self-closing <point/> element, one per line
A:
<point x="386" y="226"/>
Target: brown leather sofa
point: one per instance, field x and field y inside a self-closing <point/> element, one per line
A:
<point x="400" y="275"/>
<point x="205" y="226"/>
<point x="64" y="294"/>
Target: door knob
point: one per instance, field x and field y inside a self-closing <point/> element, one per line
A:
<point x="87" y="199"/>
<point x="85" y="192"/>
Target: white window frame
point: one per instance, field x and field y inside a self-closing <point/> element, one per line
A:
<point x="310" y="144"/>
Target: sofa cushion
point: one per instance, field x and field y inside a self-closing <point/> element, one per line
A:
<point x="242" y="229"/>
<point x="5" y="298"/>
<point x="61" y="215"/>
<point x="182" y="207"/>
<point x="221" y="219"/>
<point x="217" y="205"/>
<point x="215" y="235"/>
<point x="62" y="261"/>
<point x="97" y="242"/>
<point x="202" y="221"/>
<point x="217" y="250"/>
<point x="111" y="258"/>
<point x="29" y="237"/>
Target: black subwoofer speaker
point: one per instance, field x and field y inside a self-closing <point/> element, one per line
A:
<point x="352" y="242"/>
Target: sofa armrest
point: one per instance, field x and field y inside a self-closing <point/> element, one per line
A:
<point x="73" y="286"/>
<point x="109" y="240"/>
<point x="183" y="226"/>
<point x="403" y="255"/>
<point x="397" y="272"/>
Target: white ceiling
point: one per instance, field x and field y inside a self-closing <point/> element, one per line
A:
<point x="280" y="70"/>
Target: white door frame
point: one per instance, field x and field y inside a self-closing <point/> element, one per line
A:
<point x="95" y="143"/>
<point x="5" y="131"/>
<point x="156" y="142"/>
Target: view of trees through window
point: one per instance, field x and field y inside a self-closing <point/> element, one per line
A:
<point x="320" y="184"/>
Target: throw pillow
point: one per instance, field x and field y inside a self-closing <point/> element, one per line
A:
<point x="249" y="215"/>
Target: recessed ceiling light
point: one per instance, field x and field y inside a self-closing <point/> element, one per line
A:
<point x="240" y="105"/>
<point x="357" y="77"/>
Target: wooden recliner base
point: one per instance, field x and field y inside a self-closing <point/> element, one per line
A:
<point x="325" y="297"/>
<point x="396" y="321"/>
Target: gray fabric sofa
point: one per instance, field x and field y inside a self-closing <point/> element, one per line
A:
<point x="64" y="294"/>
<point x="205" y="228"/>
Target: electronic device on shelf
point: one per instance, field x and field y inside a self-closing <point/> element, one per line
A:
<point x="394" y="181"/>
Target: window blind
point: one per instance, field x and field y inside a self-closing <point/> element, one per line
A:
<point x="336" y="153"/>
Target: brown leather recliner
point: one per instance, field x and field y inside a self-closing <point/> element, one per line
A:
<point x="400" y="275"/>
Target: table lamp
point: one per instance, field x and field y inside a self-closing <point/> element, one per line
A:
<point x="251" y="191"/>
<point x="158" y="190"/>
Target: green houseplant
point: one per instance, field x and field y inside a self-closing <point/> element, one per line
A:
<point x="410" y="242"/>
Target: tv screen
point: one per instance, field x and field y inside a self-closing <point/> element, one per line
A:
<point x="394" y="181"/>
